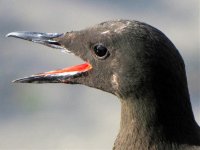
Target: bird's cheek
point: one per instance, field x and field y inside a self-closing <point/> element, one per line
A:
<point x="115" y="82"/>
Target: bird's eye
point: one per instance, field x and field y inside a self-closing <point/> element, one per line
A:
<point x="100" y="51"/>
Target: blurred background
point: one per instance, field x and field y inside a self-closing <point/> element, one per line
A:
<point x="58" y="116"/>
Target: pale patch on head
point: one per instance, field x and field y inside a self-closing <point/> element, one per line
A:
<point x="127" y="23"/>
<point x="105" y="32"/>
<point x="112" y="24"/>
<point x="122" y="27"/>
<point x="114" y="81"/>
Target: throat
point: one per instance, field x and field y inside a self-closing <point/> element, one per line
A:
<point x="136" y="126"/>
<point x="144" y="125"/>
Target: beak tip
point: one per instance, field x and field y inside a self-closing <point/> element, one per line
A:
<point x="12" y="34"/>
<point x="8" y="35"/>
<point x="22" y="80"/>
<point x="16" y="81"/>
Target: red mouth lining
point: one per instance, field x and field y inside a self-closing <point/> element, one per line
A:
<point x="78" y="69"/>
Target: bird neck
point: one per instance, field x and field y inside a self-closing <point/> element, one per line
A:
<point x="147" y="126"/>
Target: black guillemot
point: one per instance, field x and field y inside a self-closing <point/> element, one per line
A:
<point x="141" y="66"/>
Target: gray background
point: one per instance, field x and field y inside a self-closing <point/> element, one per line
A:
<point x="58" y="116"/>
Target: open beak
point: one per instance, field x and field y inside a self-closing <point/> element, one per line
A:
<point x="66" y="75"/>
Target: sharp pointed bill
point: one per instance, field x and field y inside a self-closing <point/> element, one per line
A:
<point x="38" y="37"/>
<point x="57" y="76"/>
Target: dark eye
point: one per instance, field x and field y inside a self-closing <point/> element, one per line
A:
<point x="100" y="51"/>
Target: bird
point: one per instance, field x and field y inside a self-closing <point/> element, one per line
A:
<point x="137" y="63"/>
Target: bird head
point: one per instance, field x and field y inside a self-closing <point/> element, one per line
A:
<point x="119" y="56"/>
